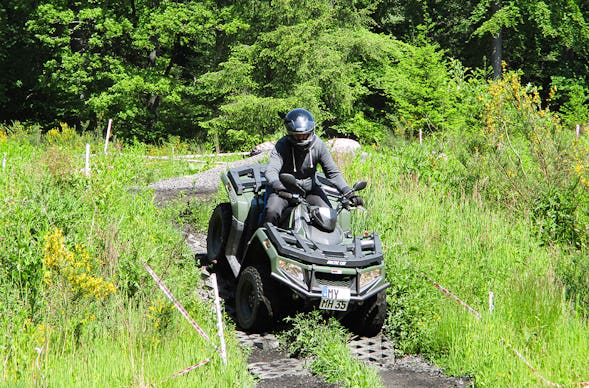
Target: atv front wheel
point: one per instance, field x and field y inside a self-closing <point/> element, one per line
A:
<point x="369" y="318"/>
<point x="253" y="307"/>
<point x="218" y="233"/>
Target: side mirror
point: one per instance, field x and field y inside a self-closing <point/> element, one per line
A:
<point x="360" y="185"/>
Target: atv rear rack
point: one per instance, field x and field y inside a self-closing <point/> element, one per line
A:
<point x="253" y="178"/>
<point x="245" y="178"/>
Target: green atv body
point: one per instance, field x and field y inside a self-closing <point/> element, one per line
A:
<point x="298" y="265"/>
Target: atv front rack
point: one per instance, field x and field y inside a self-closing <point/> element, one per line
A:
<point x="360" y="252"/>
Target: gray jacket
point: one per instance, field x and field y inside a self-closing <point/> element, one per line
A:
<point x="302" y="163"/>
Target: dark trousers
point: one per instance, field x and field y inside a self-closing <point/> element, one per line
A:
<point x="276" y="205"/>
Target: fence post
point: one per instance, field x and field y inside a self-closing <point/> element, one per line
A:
<point x="491" y="304"/>
<point x="578" y="130"/>
<point x="107" y="135"/>
<point x="87" y="164"/>
<point x="219" y="318"/>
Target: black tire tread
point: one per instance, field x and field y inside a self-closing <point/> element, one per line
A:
<point x="370" y="317"/>
<point x="263" y="313"/>
<point x="218" y="232"/>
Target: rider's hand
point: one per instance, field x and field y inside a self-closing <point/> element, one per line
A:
<point x="285" y="195"/>
<point x="355" y="200"/>
<point x="293" y="199"/>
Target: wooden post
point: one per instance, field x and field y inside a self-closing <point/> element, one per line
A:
<point x="87" y="164"/>
<point x="578" y="130"/>
<point x="420" y="136"/>
<point x="107" y="135"/>
<point x="219" y="318"/>
<point x="217" y="146"/>
<point x="491" y="303"/>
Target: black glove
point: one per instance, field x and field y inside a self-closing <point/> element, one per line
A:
<point x="355" y="200"/>
<point x="284" y="194"/>
<point x="293" y="199"/>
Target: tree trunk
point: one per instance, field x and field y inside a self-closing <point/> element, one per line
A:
<point x="497" y="48"/>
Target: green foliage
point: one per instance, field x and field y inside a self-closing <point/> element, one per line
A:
<point x="340" y="73"/>
<point x="555" y="215"/>
<point x="367" y="132"/>
<point x="245" y="122"/>
<point x="436" y="234"/>
<point x="137" y="68"/>
<point x="177" y="68"/>
<point x="544" y="38"/>
<point x="572" y="96"/>
<point x="420" y="90"/>
<point x="77" y="306"/>
<point x="535" y="159"/>
<point x="326" y="339"/>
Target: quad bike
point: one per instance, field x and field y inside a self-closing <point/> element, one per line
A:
<point x="311" y="260"/>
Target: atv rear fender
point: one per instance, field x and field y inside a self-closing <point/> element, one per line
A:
<point x="245" y="188"/>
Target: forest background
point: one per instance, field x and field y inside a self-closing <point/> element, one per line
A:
<point x="473" y="115"/>
<point x="219" y="71"/>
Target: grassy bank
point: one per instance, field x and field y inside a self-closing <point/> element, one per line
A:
<point x="433" y="235"/>
<point x="77" y="306"/>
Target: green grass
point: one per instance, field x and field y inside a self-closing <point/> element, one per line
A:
<point x="59" y="328"/>
<point x="326" y="341"/>
<point x="471" y="249"/>
<point x="434" y="223"/>
<point x="136" y="355"/>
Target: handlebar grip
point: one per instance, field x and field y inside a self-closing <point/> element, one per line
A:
<point x="285" y="195"/>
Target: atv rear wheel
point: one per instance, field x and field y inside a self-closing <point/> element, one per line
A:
<point x="253" y="307"/>
<point x="218" y="233"/>
<point x="369" y="318"/>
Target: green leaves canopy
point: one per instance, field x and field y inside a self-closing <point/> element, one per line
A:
<point x="136" y="66"/>
<point x="219" y="71"/>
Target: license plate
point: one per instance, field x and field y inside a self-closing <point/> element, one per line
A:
<point x="334" y="298"/>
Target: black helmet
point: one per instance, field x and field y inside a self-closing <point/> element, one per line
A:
<point x="300" y="126"/>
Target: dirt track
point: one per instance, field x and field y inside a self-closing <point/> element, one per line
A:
<point x="267" y="360"/>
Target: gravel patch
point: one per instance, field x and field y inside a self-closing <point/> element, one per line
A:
<point x="199" y="185"/>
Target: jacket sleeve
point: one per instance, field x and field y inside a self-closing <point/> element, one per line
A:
<point x="274" y="166"/>
<point x="330" y="169"/>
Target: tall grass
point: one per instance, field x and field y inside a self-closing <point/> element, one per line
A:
<point x="77" y="308"/>
<point x="326" y="341"/>
<point x="461" y="242"/>
<point x="470" y="212"/>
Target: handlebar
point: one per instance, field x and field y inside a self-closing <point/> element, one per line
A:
<point x="295" y="192"/>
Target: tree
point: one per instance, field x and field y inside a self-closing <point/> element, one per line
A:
<point x="343" y="73"/>
<point x="21" y="62"/>
<point x="136" y="64"/>
<point x="541" y="37"/>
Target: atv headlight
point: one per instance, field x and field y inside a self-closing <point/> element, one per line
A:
<point x="368" y="277"/>
<point x="292" y="270"/>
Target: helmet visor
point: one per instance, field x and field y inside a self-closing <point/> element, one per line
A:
<point x="301" y="136"/>
<point x="300" y="125"/>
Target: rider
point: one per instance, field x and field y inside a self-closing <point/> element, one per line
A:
<point x="298" y="153"/>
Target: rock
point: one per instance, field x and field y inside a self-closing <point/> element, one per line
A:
<point x="343" y="146"/>
<point x="262" y="148"/>
<point x="343" y="150"/>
